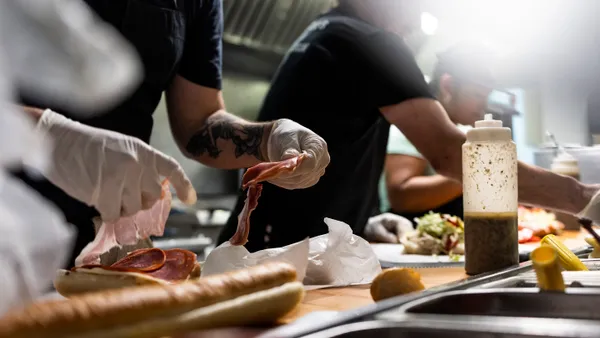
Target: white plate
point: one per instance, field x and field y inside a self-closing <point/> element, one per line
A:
<point x="392" y="253"/>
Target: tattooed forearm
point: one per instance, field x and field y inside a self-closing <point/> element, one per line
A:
<point x="247" y="138"/>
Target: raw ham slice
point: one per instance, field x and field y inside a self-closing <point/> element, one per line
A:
<point x="128" y="230"/>
<point x="251" y="181"/>
<point x="243" y="229"/>
<point x="172" y="266"/>
<point x="270" y="170"/>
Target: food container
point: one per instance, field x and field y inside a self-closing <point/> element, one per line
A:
<point x="490" y="193"/>
<point x="566" y="164"/>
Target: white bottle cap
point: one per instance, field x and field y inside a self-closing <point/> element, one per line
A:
<point x="488" y="122"/>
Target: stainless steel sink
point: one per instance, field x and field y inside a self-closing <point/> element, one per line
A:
<point x="573" y="304"/>
<point x="573" y="279"/>
<point x="499" y="304"/>
<point x="472" y="328"/>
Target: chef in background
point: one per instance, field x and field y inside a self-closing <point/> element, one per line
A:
<point x="348" y="77"/>
<point x="179" y="43"/>
<point x="462" y="81"/>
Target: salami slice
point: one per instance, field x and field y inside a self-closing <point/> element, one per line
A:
<point x="177" y="267"/>
<point x="173" y="265"/>
<point x="144" y="260"/>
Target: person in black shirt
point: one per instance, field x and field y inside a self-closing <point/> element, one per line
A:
<point x="180" y="43"/>
<point x="347" y="77"/>
<point x="462" y="81"/>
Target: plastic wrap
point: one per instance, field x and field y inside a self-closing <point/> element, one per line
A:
<point x="336" y="259"/>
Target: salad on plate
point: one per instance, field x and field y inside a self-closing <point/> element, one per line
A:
<point x="436" y="234"/>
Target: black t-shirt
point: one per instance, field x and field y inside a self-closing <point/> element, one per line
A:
<point x="172" y="37"/>
<point x="333" y="80"/>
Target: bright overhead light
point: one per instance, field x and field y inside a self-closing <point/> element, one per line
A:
<point x="429" y="23"/>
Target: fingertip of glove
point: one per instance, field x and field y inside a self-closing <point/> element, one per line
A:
<point x="189" y="197"/>
<point x="290" y="153"/>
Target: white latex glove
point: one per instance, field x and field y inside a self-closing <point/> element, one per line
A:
<point x="289" y="139"/>
<point x="117" y="174"/>
<point x="387" y="228"/>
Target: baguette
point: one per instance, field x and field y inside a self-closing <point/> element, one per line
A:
<point x="139" y="267"/>
<point x="71" y="283"/>
<point x="254" y="295"/>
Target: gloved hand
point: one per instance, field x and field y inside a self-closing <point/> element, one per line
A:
<point x="289" y="139"/>
<point x="117" y="174"/>
<point x="387" y="228"/>
<point x="592" y="209"/>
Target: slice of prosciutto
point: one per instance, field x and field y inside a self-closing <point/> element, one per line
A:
<point x="251" y="180"/>
<point x="270" y="170"/>
<point x="172" y="266"/>
<point x="128" y="230"/>
<point x="243" y="229"/>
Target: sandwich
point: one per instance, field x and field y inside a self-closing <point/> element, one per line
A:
<point x="257" y="295"/>
<point x="151" y="266"/>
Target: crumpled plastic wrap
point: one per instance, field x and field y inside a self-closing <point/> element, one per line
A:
<point x="336" y="259"/>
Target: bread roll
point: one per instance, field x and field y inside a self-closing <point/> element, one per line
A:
<point x="70" y="283"/>
<point x="125" y="312"/>
<point x="395" y="282"/>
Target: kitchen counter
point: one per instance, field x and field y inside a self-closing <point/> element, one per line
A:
<point x="348" y="298"/>
<point x="341" y="299"/>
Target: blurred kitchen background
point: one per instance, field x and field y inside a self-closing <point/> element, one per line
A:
<point x="547" y="73"/>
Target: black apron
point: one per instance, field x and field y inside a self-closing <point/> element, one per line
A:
<point x="156" y="28"/>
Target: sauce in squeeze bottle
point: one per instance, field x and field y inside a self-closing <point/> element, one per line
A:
<point x="490" y="193"/>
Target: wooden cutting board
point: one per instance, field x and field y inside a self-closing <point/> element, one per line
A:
<point x="340" y="299"/>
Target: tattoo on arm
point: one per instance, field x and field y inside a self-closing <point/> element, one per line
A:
<point x="247" y="138"/>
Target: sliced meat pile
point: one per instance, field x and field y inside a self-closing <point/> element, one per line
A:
<point x="535" y="223"/>
<point x="173" y="265"/>
<point x="128" y="230"/>
<point x="251" y="181"/>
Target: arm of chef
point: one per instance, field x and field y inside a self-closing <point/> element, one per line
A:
<point x="399" y="87"/>
<point x="411" y="189"/>
<point x="202" y="128"/>
<point x="426" y="124"/>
